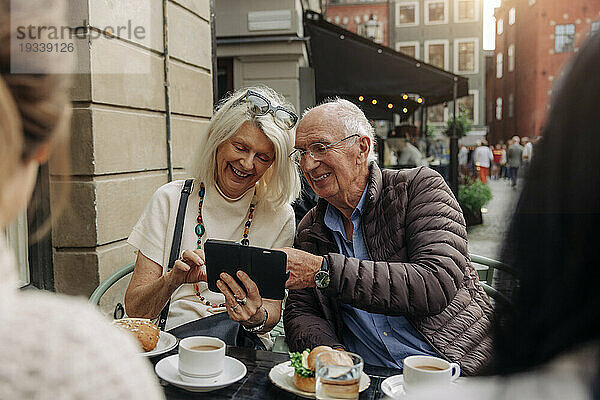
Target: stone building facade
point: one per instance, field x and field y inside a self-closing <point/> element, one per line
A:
<point x="121" y="115"/>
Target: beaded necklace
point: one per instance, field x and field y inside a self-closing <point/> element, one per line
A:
<point x="200" y="230"/>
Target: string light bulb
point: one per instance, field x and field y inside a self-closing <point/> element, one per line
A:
<point x="360" y="98"/>
<point x="390" y="105"/>
<point x="374" y="101"/>
<point x="420" y="100"/>
<point x="405" y="97"/>
<point x="405" y="110"/>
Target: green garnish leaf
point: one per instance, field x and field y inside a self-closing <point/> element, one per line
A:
<point x="296" y="359"/>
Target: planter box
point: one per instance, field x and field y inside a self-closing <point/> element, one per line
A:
<point x="473" y="218"/>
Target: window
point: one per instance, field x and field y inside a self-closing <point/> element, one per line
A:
<point x="436" y="12"/>
<point x="469" y="105"/>
<point x="499" y="65"/>
<point x="511" y="58"/>
<point x="512" y="16"/>
<point x="466" y="56"/>
<point x="511" y="105"/>
<point x="408" y="48"/>
<point x="564" y="38"/>
<point x="500" y="26"/>
<point x="499" y="108"/>
<point x="490" y="114"/>
<point x="407" y="13"/>
<point x="436" y="114"/>
<point x="436" y="53"/>
<point x="466" y="10"/>
<point x="595" y="27"/>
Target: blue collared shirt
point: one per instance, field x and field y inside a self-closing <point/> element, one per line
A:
<point x="379" y="339"/>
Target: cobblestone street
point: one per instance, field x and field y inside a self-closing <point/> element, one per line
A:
<point x="486" y="239"/>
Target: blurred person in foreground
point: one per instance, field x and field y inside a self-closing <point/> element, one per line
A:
<point x="51" y="346"/>
<point x="381" y="266"/>
<point x="243" y="189"/>
<point x="549" y="348"/>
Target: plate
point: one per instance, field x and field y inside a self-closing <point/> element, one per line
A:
<point x="166" y="342"/>
<point x="167" y="370"/>
<point x="282" y="376"/>
<point x="393" y="387"/>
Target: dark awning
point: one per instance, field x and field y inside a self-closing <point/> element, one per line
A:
<point x="348" y="65"/>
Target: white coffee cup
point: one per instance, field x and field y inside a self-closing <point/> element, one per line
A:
<point x="200" y="357"/>
<point x="428" y="371"/>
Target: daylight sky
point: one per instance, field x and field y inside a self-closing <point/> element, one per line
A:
<point x="488" y="23"/>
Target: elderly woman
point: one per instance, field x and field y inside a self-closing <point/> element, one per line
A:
<point x="244" y="184"/>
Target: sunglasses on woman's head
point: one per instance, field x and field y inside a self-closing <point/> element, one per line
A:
<point x="260" y="105"/>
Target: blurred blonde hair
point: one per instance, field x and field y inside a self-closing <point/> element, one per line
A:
<point x="281" y="182"/>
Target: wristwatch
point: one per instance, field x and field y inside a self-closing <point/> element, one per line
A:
<point x="322" y="277"/>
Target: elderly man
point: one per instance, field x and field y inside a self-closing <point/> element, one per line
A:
<point x="380" y="266"/>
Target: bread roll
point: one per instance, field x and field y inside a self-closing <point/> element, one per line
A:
<point x="337" y="357"/>
<point x="145" y="331"/>
<point x="312" y="357"/>
<point x="305" y="384"/>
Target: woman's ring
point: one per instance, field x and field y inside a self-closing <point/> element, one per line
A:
<point x="243" y="301"/>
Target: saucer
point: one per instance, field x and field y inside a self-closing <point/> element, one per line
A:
<point x="394" y="387"/>
<point x="167" y="369"/>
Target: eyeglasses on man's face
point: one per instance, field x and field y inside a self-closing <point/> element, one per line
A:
<point x="318" y="151"/>
<point x="259" y="105"/>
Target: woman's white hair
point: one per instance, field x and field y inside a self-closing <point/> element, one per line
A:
<point x="281" y="182"/>
<point x="353" y="119"/>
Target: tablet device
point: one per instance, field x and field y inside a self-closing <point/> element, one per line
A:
<point x="266" y="267"/>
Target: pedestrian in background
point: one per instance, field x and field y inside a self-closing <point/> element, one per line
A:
<point x="463" y="158"/>
<point x="497" y="153"/>
<point x="503" y="169"/>
<point x="483" y="158"/>
<point x="527" y="152"/>
<point x="515" y="157"/>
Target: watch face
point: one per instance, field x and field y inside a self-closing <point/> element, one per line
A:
<point x="322" y="279"/>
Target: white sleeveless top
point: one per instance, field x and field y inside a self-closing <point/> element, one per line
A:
<point x="224" y="219"/>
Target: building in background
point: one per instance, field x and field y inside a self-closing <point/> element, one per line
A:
<point x="449" y="35"/>
<point x="262" y="42"/>
<point x="366" y="18"/>
<point x="534" y="41"/>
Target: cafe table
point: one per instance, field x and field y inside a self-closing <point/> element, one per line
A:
<point x="256" y="383"/>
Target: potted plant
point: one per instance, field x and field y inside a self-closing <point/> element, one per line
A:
<point x="472" y="195"/>
<point x="463" y="123"/>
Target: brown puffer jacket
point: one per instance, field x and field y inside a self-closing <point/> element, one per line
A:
<point x="414" y="229"/>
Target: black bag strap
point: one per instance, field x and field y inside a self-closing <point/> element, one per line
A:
<point x="176" y="244"/>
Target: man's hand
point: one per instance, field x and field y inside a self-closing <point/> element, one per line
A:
<point x="302" y="267"/>
<point x="188" y="269"/>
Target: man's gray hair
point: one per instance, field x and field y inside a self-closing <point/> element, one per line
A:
<point x="353" y="118"/>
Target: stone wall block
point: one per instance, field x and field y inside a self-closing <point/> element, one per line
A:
<point x="186" y="30"/>
<point x="126" y="140"/>
<point x="138" y="21"/>
<point x="75" y="272"/>
<point x="200" y="7"/>
<point x="187" y="134"/>
<point x="126" y="75"/>
<point x="76" y="226"/>
<point x="191" y="90"/>
<point x="121" y="200"/>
